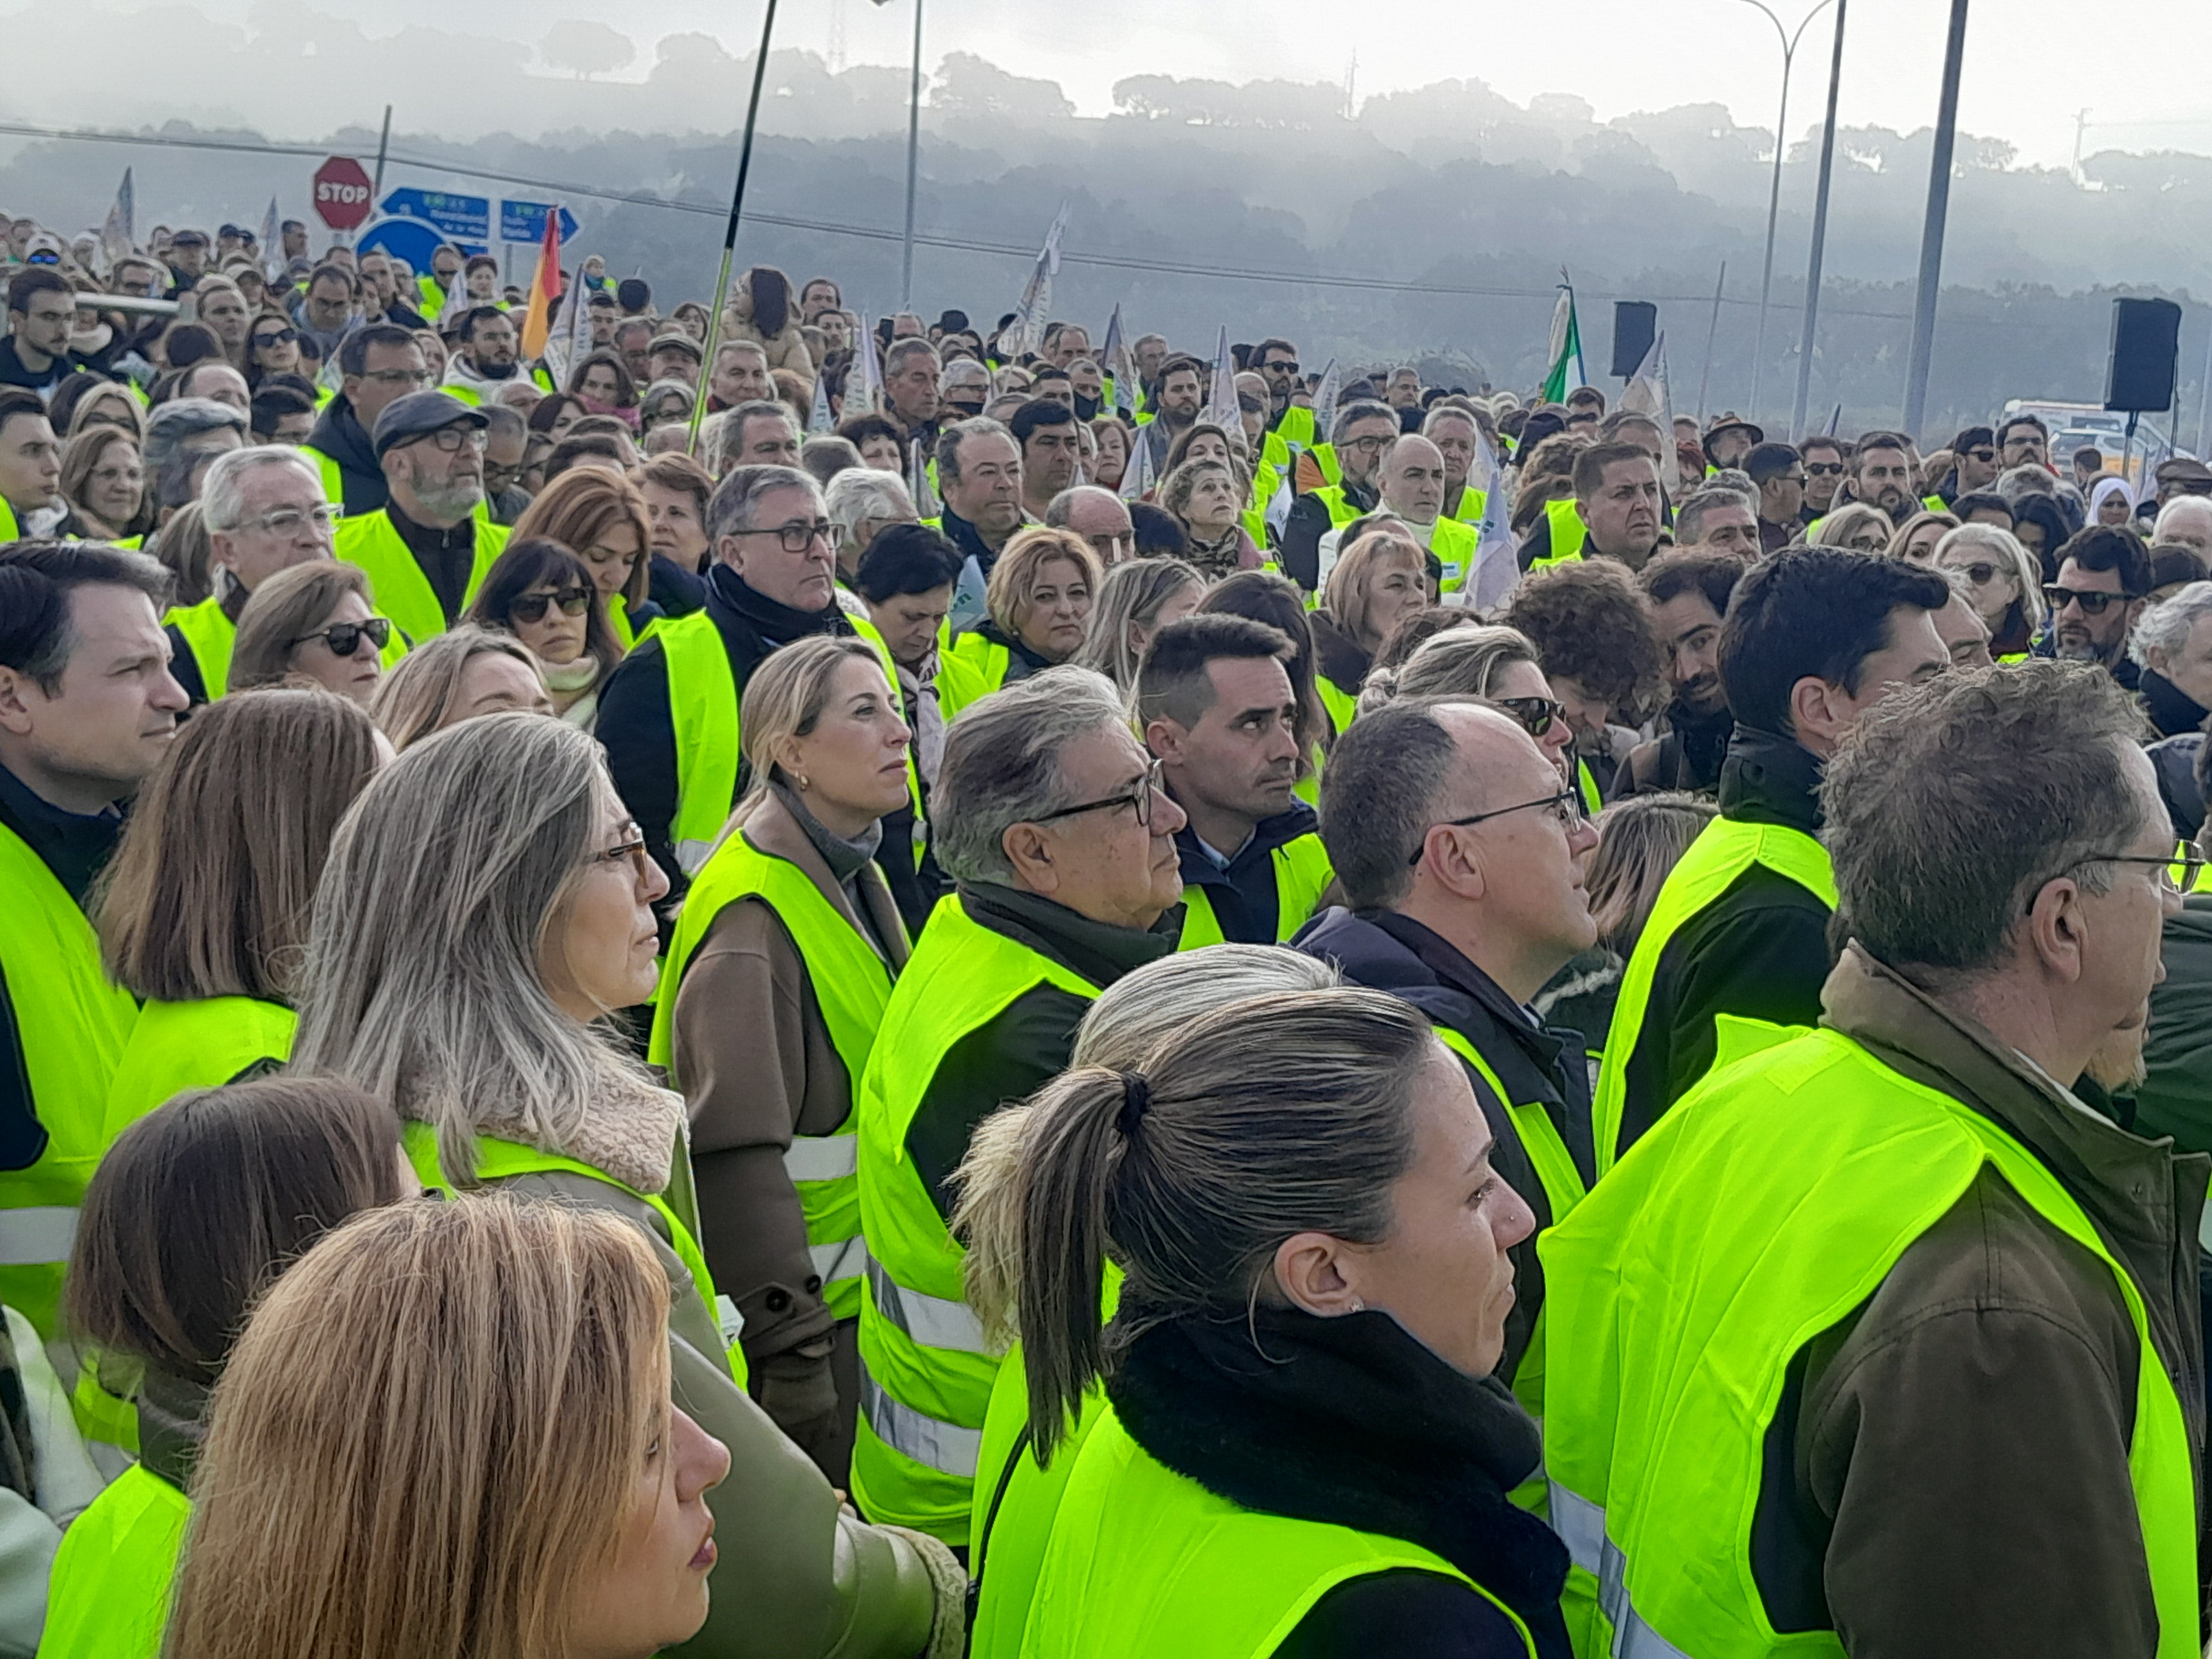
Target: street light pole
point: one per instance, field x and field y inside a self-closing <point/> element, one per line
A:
<point x="1789" y="40"/>
<point x="1931" y="231"/>
<point x="1819" y="237"/>
<point x="913" y="168"/>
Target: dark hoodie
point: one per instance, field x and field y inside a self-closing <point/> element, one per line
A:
<point x="1243" y="893"/>
<point x="339" y="434"/>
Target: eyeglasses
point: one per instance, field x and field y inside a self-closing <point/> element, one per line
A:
<point x="1535" y="713"/>
<point x="2176" y="875"/>
<point x="634" y="850"/>
<point x="2092" y="604"/>
<point x="1372" y="446"/>
<point x="277" y="337"/>
<point x="531" y="607"/>
<point x="452" y="439"/>
<point x="344" y="638"/>
<point x="1140" y="798"/>
<point x="1824" y="468"/>
<point x="290" y="521"/>
<point x="797" y="536"/>
<point x="1797" y="479"/>
<point x="398" y="376"/>
<point x="1567" y="804"/>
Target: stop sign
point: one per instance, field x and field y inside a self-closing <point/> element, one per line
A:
<point x="342" y="191"/>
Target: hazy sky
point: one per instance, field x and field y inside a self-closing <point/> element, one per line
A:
<point x="2030" y="64"/>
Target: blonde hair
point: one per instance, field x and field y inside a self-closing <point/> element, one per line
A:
<point x="86" y="416"/>
<point x="1906" y="532"/>
<point x="427" y="1439"/>
<point x="1134" y="593"/>
<point x="1640" y="839"/>
<point x="785" y="698"/>
<point x="1350" y="596"/>
<point x="1014" y="583"/>
<point x="1458" y="662"/>
<point x="417" y="697"/>
<point x="287" y="606"/>
<point x="1837" y="529"/>
<point x="582" y="505"/>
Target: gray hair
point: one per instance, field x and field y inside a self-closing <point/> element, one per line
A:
<point x="1690" y="516"/>
<point x="2164" y="627"/>
<point x="950" y="440"/>
<point x="1378" y="795"/>
<point x="1132" y="1017"/>
<point x="2024" y="481"/>
<point x="2004" y="547"/>
<point x="1001" y="765"/>
<point x="825" y="455"/>
<point x="1133" y="591"/>
<point x="168" y="427"/>
<point x="901" y="349"/>
<point x="421" y="984"/>
<point x="960" y="371"/>
<point x="1364" y="409"/>
<point x="223" y="492"/>
<point x="2038" y="747"/>
<point x="1460" y="662"/>
<point x="1061" y="507"/>
<point x="1265" y="1118"/>
<point x="731" y="507"/>
<point x="2181" y="507"/>
<point x="863" y="492"/>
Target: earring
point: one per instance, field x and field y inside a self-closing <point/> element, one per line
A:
<point x="806" y="783"/>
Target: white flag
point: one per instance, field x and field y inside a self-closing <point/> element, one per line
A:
<point x="818" y="417"/>
<point x="272" y="246"/>
<point x="560" y="337"/>
<point x="1648" y="393"/>
<point x="1114" y="358"/>
<point x="1221" y="402"/>
<point x="1138" y="477"/>
<point x="1024" y="335"/>
<point x="118" y="238"/>
<point x="872" y="372"/>
<point x="919" y="490"/>
<point x="1324" y="402"/>
<point x="1496" y="560"/>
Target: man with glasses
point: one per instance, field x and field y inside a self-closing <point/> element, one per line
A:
<point x="2104" y="573"/>
<point x="2024" y="441"/>
<point x="1973" y="462"/>
<point x="379" y="365"/>
<point x="1893" y="1288"/>
<point x="264" y="512"/>
<point x="1826" y="459"/>
<point x="963" y="388"/>
<point x="1458" y="848"/>
<point x="1737" y="943"/>
<point x="427" y="549"/>
<point x="668" y="717"/>
<point x="1363" y="434"/>
<point x="1048" y="816"/>
<point x="1290" y="426"/>
<point x="1215" y="704"/>
<point x="1779" y="472"/>
<point x="507" y="450"/>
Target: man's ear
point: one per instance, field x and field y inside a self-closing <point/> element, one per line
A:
<point x="1165" y="738"/>
<point x="1029" y="848"/>
<point x="17" y="692"/>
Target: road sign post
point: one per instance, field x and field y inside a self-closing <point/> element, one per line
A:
<point x="341" y="193"/>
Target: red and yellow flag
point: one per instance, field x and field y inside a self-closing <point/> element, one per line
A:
<point x="544" y="289"/>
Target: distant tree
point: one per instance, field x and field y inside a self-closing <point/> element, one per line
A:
<point x="589" y="49"/>
<point x="969" y="85"/>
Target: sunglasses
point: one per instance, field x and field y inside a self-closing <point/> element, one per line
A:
<point x="531" y="607"/>
<point x="277" y="337"/>
<point x="2093" y="605"/>
<point x="1985" y="455"/>
<point x="1979" y="574"/>
<point x="344" y="638"/>
<point x="1825" y="469"/>
<point x="1536" y="715"/>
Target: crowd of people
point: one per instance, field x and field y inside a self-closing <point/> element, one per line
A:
<point x="778" y="989"/>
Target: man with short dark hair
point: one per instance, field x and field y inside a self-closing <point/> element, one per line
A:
<point x="1719" y="520"/>
<point x="1973" y="462"/>
<point x="281" y="415"/>
<point x="2089" y="467"/>
<point x="1813" y="638"/>
<point x="2024" y="441"/>
<point x="1215" y="704"/>
<point x="1290" y="426"/>
<point x="634" y="345"/>
<point x="1983" y="506"/>
<point x="328" y="310"/>
<point x="1362" y="433"/>
<point x="1779" y="472"/>
<point x="41" y="311"/>
<point x="485" y="360"/>
<point x="87" y="709"/>
<point x="1457" y="850"/>
<point x="379" y="365"/>
<point x="758" y="433"/>
<point x="1884" y="471"/>
<point x="2104" y="579"/>
<point x="1051" y="451"/>
<point x="1180" y="396"/>
<point x="1689" y="594"/>
<point x="1614" y="513"/>
<point x="1591" y="627"/>
<point x="30" y="466"/>
<point x="978" y="474"/>
<point x="1827" y="461"/>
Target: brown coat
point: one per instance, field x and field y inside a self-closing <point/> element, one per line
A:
<point x="752" y="1054"/>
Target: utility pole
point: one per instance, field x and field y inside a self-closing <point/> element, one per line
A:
<point x="1931" y="233"/>
<point x="383" y="144"/>
<point x="2080" y="125"/>
<point x="1820" y="236"/>
<point x="912" y="167"/>
<point x="1712" y="329"/>
<point x="1789" y="40"/>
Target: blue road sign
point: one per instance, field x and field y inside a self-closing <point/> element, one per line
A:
<point x="524" y="221"/>
<point x="464" y="218"/>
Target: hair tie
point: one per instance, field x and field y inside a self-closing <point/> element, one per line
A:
<point x="1136" y="1095"/>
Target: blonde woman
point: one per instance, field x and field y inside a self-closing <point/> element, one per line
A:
<point x="467" y="671"/>
<point x="1138" y="598"/>
<point x="1497" y="664"/>
<point x="1038" y="600"/>
<point x="525" y="1487"/>
<point x="486" y="910"/>
<point x="2005" y="587"/>
<point x="1380" y="579"/>
<point x="1916" y="538"/>
<point x="599" y="515"/>
<point x="775" y="981"/>
<point x="1857" y="526"/>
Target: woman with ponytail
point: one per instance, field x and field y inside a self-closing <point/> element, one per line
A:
<point x="1302" y="1450"/>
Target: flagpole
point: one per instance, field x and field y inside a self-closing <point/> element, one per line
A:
<point x="730" y="234"/>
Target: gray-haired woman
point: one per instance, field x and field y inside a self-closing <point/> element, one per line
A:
<point x="1303" y="1446"/>
<point x="776" y="979"/>
<point x="487" y="906"/>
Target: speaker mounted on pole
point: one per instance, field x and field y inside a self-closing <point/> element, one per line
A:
<point x="1635" y="325"/>
<point x="2146" y="354"/>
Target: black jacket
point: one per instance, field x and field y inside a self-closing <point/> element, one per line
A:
<point x="74" y="848"/>
<point x="1760" y="950"/>
<point x="1385" y="951"/>
<point x="1688" y="758"/>
<point x="339" y="434"/>
<point x="1308" y="522"/>
<point x="634" y="725"/>
<point x="1243" y="893"/>
<point x="2171" y="710"/>
<point x="1013" y="1055"/>
<point x="1337" y="656"/>
<point x="1351" y="1422"/>
<point x="2174" y="760"/>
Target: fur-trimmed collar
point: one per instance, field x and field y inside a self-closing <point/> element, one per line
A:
<point x="632" y="1136"/>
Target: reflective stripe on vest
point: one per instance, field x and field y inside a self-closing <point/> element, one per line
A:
<point x="1301" y="875"/>
<point x="1723" y="850"/>
<point x="702" y="712"/>
<point x="1145" y="1563"/>
<point x="72" y="1023"/>
<point x="1568" y="534"/>
<point x="930" y="1370"/>
<point x="1773" y="1200"/>
<point x="1586" y="781"/>
<point x="372" y="544"/>
<point x="212" y="636"/>
<point x="851" y="984"/>
<point x="109" y="1595"/>
<point x="176" y="1045"/>
<point x="505" y="1160"/>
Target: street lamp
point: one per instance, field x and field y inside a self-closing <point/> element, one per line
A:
<point x="1789" y="40"/>
<point x="912" y="164"/>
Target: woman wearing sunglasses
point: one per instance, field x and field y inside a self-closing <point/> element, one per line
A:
<point x="1498" y="665"/>
<point x="272" y="348"/>
<point x="315" y="621"/>
<point x="542" y="593"/>
<point x="2007" y="588"/>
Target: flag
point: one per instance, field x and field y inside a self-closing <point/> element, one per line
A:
<point x="544" y="289"/>
<point x="2147" y="479"/>
<point x="1221" y="404"/>
<point x="1026" y="334"/>
<point x="1138" y="478"/>
<point x="872" y="372"/>
<point x="817" y="418"/>
<point x="1835" y="420"/>
<point x="919" y="490"/>
<point x="1647" y="393"/>
<point x="1497" y="562"/>
<point x="117" y="237"/>
<point x="1121" y="373"/>
<point x="1324" y="402"/>
<point x="1566" y="344"/>
<point x="272" y="246"/>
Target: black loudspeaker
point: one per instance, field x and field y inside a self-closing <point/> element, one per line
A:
<point x="2146" y="344"/>
<point x="1634" y="324"/>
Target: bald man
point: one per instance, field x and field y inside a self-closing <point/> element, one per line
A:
<point x="1412" y="481"/>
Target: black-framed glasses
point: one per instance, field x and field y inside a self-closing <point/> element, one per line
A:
<point x="344" y="638"/>
<point x="531" y="607"/>
<point x="2093" y="603"/>
<point x="1374" y="445"/>
<point x="1140" y="798"/>
<point x="798" y="535"/>
<point x="1568" y="804"/>
<point x="2176" y="876"/>
<point x="1825" y="469"/>
<point x="1985" y="455"/>
<point x="1535" y="713"/>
